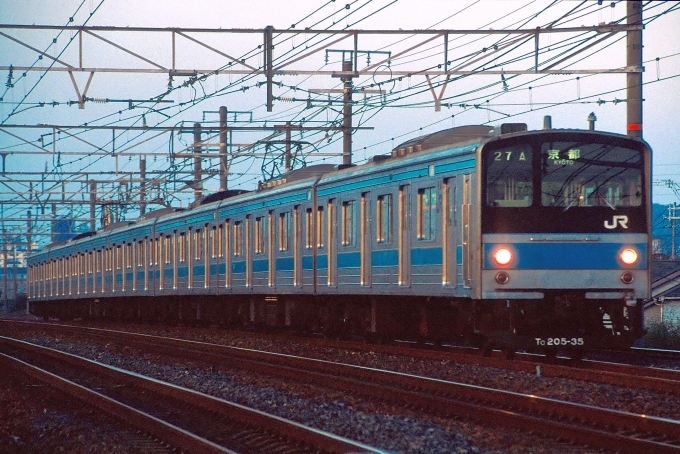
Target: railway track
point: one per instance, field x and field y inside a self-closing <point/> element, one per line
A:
<point x="187" y="420"/>
<point x="598" y="427"/>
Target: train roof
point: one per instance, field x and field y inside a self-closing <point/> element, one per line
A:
<point x="315" y="171"/>
<point x="447" y="138"/>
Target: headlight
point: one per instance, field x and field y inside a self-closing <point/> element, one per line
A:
<point x="502" y="256"/>
<point x="628" y="256"/>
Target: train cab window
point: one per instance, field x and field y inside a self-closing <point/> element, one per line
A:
<point x="509" y="177"/>
<point x="260" y="229"/>
<point x="284" y="231"/>
<point x="427" y="214"/>
<point x="348" y="223"/>
<point x="590" y="174"/>
<point x="238" y="238"/>
<point x="383" y="221"/>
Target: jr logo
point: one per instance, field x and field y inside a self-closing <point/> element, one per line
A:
<point x="621" y="220"/>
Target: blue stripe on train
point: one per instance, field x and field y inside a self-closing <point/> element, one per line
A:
<point x="566" y="256"/>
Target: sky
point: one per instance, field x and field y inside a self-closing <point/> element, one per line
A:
<point x="404" y="110"/>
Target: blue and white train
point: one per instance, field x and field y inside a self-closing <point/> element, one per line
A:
<point x="525" y="239"/>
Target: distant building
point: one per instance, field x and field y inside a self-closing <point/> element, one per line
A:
<point x="14" y="281"/>
<point x="665" y="303"/>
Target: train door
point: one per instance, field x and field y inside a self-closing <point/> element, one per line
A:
<point x="162" y="260"/>
<point x="207" y="255"/>
<point x="175" y="259"/>
<point x="449" y="233"/>
<point x="146" y="260"/>
<point x="227" y="253"/>
<point x="127" y="263"/>
<point x="249" y="251"/>
<point x="404" y="277"/>
<point x="213" y="266"/>
<point x="332" y="246"/>
<point x="271" y="251"/>
<point x="365" y="240"/>
<point x="297" y="257"/>
<point x="190" y="258"/>
<point x="466" y="220"/>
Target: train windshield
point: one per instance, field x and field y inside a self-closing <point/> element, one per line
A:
<point x="570" y="174"/>
<point x="563" y="182"/>
<point x="590" y="174"/>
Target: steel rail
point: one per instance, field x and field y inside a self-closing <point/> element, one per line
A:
<point x="623" y="431"/>
<point x="284" y="429"/>
<point x="143" y="421"/>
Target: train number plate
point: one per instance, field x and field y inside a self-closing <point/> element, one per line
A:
<point x="559" y="341"/>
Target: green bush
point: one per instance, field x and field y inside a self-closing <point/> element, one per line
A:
<point x="664" y="336"/>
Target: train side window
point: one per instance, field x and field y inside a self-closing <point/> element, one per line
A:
<point x="220" y="241"/>
<point x="128" y="256"/>
<point x="284" y="230"/>
<point x="348" y="223"/>
<point x="383" y="223"/>
<point x="182" y="247"/>
<point x="320" y="227"/>
<point x="198" y="242"/>
<point x="225" y="240"/>
<point x="214" y="240"/>
<point x="152" y="252"/>
<point x="260" y="227"/>
<point x="309" y="229"/>
<point x="159" y="250"/>
<point x="168" y="250"/>
<point x="427" y="214"/>
<point x="140" y="253"/>
<point x="238" y="238"/>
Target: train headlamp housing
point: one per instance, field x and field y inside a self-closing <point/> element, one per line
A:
<point x="502" y="256"/>
<point x="628" y="256"/>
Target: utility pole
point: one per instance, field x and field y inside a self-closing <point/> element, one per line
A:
<point x="634" y="59"/>
<point x="347" y="112"/>
<point x="4" y="271"/>
<point x="28" y="232"/>
<point x="93" y="205"/>
<point x="142" y="187"/>
<point x="269" y="64"/>
<point x="288" y="157"/>
<point x="223" y="148"/>
<point x="198" y="186"/>
<point x="672" y="211"/>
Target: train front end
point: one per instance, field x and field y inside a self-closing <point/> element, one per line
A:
<point x="565" y="240"/>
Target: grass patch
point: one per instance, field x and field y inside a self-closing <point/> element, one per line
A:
<point x="664" y="336"/>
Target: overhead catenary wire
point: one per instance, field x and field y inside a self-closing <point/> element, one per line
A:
<point x="365" y="113"/>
